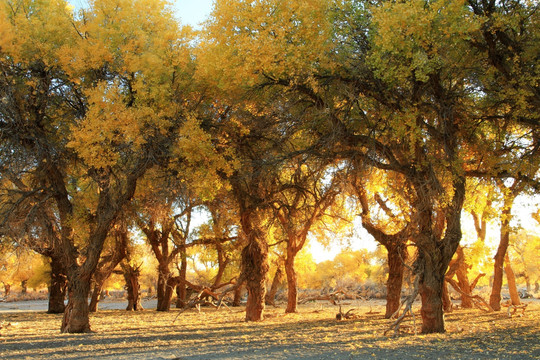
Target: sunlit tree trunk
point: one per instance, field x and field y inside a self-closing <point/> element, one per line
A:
<point x="396" y="256"/>
<point x="511" y="279"/>
<point x="292" y="290"/>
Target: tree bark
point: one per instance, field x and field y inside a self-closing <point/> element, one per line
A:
<point x="495" y="298"/>
<point x="447" y="301"/>
<point x="163" y="277"/>
<point x="237" y="296"/>
<point x="396" y="256"/>
<point x="57" y="287"/>
<point x="76" y="315"/>
<point x="431" y="288"/>
<point x="511" y="280"/>
<point x="133" y="288"/>
<point x="255" y="267"/>
<point x="271" y="295"/>
<point x="181" y="290"/>
<point x="96" y="295"/>
<point x="292" y="290"/>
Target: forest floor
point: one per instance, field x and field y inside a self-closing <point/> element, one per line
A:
<point x="312" y="333"/>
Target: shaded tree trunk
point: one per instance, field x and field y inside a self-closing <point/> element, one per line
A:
<point x="397" y="254"/>
<point x="271" y="295"/>
<point x="237" y="299"/>
<point x="163" y="304"/>
<point x="131" y="276"/>
<point x="57" y="287"/>
<point x="96" y="295"/>
<point x="447" y="301"/>
<point x="431" y="292"/>
<point x="255" y="267"/>
<point x="7" y="289"/>
<point x="76" y="315"/>
<point x="24" y="286"/>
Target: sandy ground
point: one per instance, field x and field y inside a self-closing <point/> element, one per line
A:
<point x="312" y="333"/>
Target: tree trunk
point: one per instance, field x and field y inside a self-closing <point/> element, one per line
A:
<point x="395" y="277"/>
<point x="24" y="286"/>
<point x="447" y="301"/>
<point x="57" y="287"/>
<point x="431" y="288"/>
<point x="96" y="295"/>
<point x="131" y="276"/>
<point x="511" y="279"/>
<point x="237" y="296"/>
<point x="181" y="290"/>
<point x="292" y="290"/>
<point x="255" y="267"/>
<point x="163" y="277"/>
<point x="76" y="316"/>
<point x="271" y="295"/>
<point x="463" y="279"/>
<point x="495" y="298"/>
<point x="7" y="289"/>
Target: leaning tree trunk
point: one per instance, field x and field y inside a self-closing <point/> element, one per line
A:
<point x="397" y="254"/>
<point x="292" y="290"/>
<point x="57" y="287"/>
<point x="96" y="295"/>
<point x="271" y="295"/>
<point x="76" y="316"/>
<point x="511" y="279"/>
<point x="255" y="267"/>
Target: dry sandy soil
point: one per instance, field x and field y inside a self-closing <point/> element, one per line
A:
<point x="312" y="333"/>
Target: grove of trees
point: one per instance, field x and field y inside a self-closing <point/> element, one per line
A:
<point x="277" y="120"/>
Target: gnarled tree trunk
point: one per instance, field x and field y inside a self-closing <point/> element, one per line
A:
<point x="76" y="315"/>
<point x="397" y="254"/>
<point x="133" y="288"/>
<point x="255" y="268"/>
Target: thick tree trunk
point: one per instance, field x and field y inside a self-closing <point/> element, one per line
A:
<point x="163" y="277"/>
<point x="395" y="278"/>
<point x="292" y="290"/>
<point x="76" y="316"/>
<point x="431" y="288"/>
<point x="255" y="267"/>
<point x="511" y="279"/>
<point x="271" y="295"/>
<point x="57" y="287"/>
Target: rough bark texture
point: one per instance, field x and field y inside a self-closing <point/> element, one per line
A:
<point x="76" y="316"/>
<point x="447" y="301"/>
<point x="276" y="282"/>
<point x="396" y="257"/>
<point x="237" y="296"/>
<point x="57" y="287"/>
<point x="255" y="268"/>
<point x="431" y="288"/>
<point x="292" y="291"/>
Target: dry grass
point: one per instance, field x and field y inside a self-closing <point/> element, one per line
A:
<point x="313" y="333"/>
